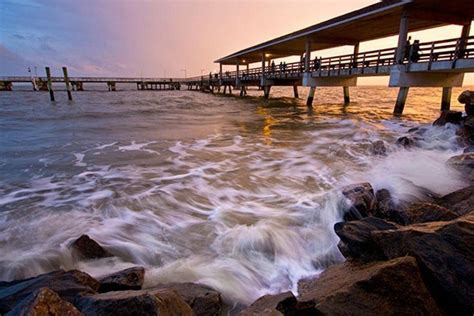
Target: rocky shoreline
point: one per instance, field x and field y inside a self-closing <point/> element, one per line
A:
<point x="401" y="259"/>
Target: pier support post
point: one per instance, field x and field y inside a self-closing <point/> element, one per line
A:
<point x="50" y="83"/>
<point x="446" y="98"/>
<point x="309" y="102"/>
<point x="243" y="91"/>
<point x="402" y="38"/>
<point x="401" y="99"/>
<point x="461" y="50"/>
<point x="347" y="98"/>
<point x="237" y="79"/>
<point x="68" y="86"/>
<point x="266" y="91"/>
<point x="295" y="92"/>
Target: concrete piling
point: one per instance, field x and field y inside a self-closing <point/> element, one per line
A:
<point x="309" y="102"/>
<point x="401" y="99"/>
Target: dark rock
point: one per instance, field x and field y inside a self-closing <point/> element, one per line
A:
<point x="466" y="132"/>
<point x="386" y="207"/>
<point x="280" y="304"/>
<point x="44" y="302"/>
<point x="362" y="201"/>
<point x="392" y="287"/>
<point x="66" y="284"/>
<point x="427" y="212"/>
<point x="131" y="303"/>
<point x="469" y="121"/>
<point x="406" y="142"/>
<point x="469" y="149"/>
<point x="202" y="299"/>
<point x="129" y="279"/>
<point x="356" y="241"/>
<point x="460" y="202"/>
<point x="463" y="163"/>
<point x="88" y="248"/>
<point x="445" y="254"/>
<point x="378" y="148"/>
<point x="467" y="98"/>
<point x="453" y="117"/>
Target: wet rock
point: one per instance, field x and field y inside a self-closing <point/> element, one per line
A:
<point x="468" y="150"/>
<point x="66" y="284"/>
<point x="386" y="207"/>
<point x="453" y="117"/>
<point x="202" y="299"/>
<point x="88" y="248"/>
<point x="356" y="241"/>
<point x="427" y="212"/>
<point x="378" y="148"/>
<point x="467" y="98"/>
<point x="129" y="279"/>
<point x="406" y="142"/>
<point x="392" y="287"/>
<point x="463" y="163"/>
<point x="44" y="302"/>
<point x="445" y="254"/>
<point x="460" y="202"/>
<point x="466" y="132"/>
<point x="131" y="303"/>
<point x="362" y="201"/>
<point x="280" y="304"/>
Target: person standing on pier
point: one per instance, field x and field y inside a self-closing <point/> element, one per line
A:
<point x="273" y="66"/>
<point x="317" y="63"/>
<point x="415" y="52"/>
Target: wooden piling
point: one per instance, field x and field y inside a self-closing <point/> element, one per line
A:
<point x="446" y="98"/>
<point x="68" y="86"/>
<point x="295" y="91"/>
<point x="50" y="83"/>
<point x="266" y="91"/>
<point x="347" y="98"/>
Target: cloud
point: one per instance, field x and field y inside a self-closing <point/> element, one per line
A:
<point x="12" y="63"/>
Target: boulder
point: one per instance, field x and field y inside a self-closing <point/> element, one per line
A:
<point x="87" y="248"/>
<point x="378" y="148"/>
<point x="453" y="117"/>
<point x="406" y="142"/>
<point x="66" y="284"/>
<point x="362" y="201"/>
<point x="202" y="299"/>
<point x="280" y="304"/>
<point x="463" y="163"/>
<point x="467" y="98"/>
<point x="427" y="212"/>
<point x="128" y="279"/>
<point x="131" y="303"/>
<point x="445" y="254"/>
<point x="460" y="202"/>
<point x="356" y="241"/>
<point x="392" y="287"/>
<point x="44" y="302"/>
<point x="386" y="207"/>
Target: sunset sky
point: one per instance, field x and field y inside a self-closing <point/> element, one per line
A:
<point x="158" y="38"/>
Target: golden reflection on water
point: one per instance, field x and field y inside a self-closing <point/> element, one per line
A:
<point x="268" y="122"/>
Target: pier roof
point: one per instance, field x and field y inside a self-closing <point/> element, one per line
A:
<point x="376" y="21"/>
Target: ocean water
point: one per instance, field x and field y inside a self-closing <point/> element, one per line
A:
<point x="240" y="194"/>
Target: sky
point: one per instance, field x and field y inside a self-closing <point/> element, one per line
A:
<point x="159" y="38"/>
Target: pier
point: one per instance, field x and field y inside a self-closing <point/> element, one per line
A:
<point x="78" y="83"/>
<point x="442" y="63"/>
